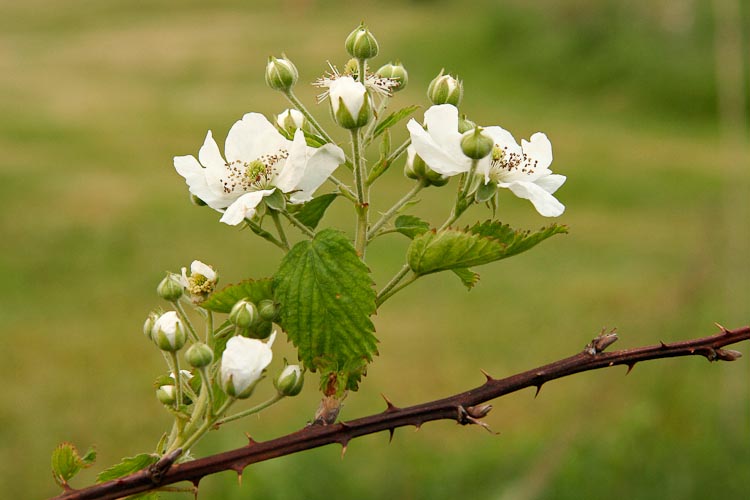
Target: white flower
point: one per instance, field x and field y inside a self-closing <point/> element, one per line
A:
<point x="440" y="145"/>
<point x="290" y="120"/>
<point x="202" y="280"/>
<point x="524" y="169"/>
<point x="169" y="332"/>
<point x="243" y="363"/>
<point x="258" y="161"/>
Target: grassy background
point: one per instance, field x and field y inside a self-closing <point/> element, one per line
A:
<point x="96" y="98"/>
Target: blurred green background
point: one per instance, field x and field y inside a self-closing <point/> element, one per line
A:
<point x="645" y="103"/>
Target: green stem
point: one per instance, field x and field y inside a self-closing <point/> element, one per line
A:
<point x="209" y="325"/>
<point x="395" y="208"/>
<point x="177" y="390"/>
<point x="360" y="240"/>
<point x="343" y="188"/>
<point x="254" y="227"/>
<point x="376" y="119"/>
<point x="382" y="297"/>
<point x="279" y="228"/>
<point x="255" y="409"/>
<point x="468" y="180"/>
<point x="310" y="118"/>
<point x="205" y="427"/>
<point x="379" y="170"/>
<point x="394" y="281"/>
<point x="186" y="320"/>
<point x="299" y="225"/>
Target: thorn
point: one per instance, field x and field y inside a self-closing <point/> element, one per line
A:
<point x="239" y="479"/>
<point x="489" y="377"/>
<point x="391" y="407"/>
<point x="662" y="345"/>
<point x="720" y="327"/>
<point x="250" y="440"/>
<point x="344" y="425"/>
<point x="391" y="432"/>
<point x="343" y="450"/>
<point x="538" y="388"/>
<point x="630" y="368"/>
<point x="417" y="426"/>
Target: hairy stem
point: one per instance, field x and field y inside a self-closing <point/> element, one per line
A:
<point x="255" y="409"/>
<point x="360" y="239"/>
<point x="280" y="229"/>
<point x="395" y="208"/>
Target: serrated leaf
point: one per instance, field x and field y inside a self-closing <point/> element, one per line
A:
<point x="311" y="212"/>
<point x="326" y="297"/>
<point x="410" y="226"/>
<point x="67" y="462"/>
<point x="484" y="243"/>
<point x="128" y="465"/>
<point x="254" y="290"/>
<point x="393" y="119"/>
<point x="468" y="277"/>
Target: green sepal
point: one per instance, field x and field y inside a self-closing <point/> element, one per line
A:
<point x="487" y="242"/>
<point x="393" y="119"/>
<point x="128" y="465"/>
<point x="326" y="298"/>
<point x="312" y="140"/>
<point x="311" y="212"/>
<point x="254" y="290"/>
<point x="410" y="226"/>
<point x="67" y="462"/>
<point x="382" y="164"/>
<point x="275" y="200"/>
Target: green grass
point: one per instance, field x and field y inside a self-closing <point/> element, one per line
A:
<point x="97" y="97"/>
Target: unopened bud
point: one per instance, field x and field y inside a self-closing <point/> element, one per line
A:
<point x="169" y="332"/>
<point x="267" y="310"/>
<point x="260" y="330"/>
<point x="464" y="125"/>
<point x="148" y="325"/>
<point x="166" y="394"/>
<point x="475" y="144"/>
<point x="395" y="72"/>
<point x="416" y="168"/>
<point x="290" y="381"/>
<point x="445" y="89"/>
<point x="170" y="288"/>
<point x="290" y="120"/>
<point x="350" y="103"/>
<point x="281" y="74"/>
<point x="244" y="314"/>
<point x="199" y="355"/>
<point x="361" y="43"/>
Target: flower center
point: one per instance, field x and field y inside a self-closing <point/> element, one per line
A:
<point x="253" y="175"/>
<point x="200" y="285"/>
<point x="504" y="163"/>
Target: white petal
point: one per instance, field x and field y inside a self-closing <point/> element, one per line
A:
<point x="546" y="204"/>
<point x="253" y="137"/>
<point x="198" y="267"/>
<point x="320" y="166"/>
<point x="442" y="124"/>
<point x="550" y="183"/>
<point x="243" y="361"/>
<point x="503" y="139"/>
<point x="436" y="157"/>
<point x="195" y="177"/>
<point x="243" y="207"/>
<point x="294" y="166"/>
<point x="216" y="168"/>
<point x="539" y="148"/>
<point x="352" y="93"/>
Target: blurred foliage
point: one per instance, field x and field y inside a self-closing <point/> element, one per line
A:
<point x="96" y="98"/>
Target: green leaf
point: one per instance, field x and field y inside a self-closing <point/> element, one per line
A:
<point x="468" y="277"/>
<point x="410" y="226"/>
<point x="149" y="495"/>
<point x="128" y="465"/>
<point x="67" y="462"/>
<point x="254" y="290"/>
<point x="326" y="296"/>
<point x="393" y="119"/>
<point x="311" y="212"/>
<point x="312" y="140"/>
<point x="484" y="243"/>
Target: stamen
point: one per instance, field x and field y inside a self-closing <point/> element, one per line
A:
<point x="253" y="175"/>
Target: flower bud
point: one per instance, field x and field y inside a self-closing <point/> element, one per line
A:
<point x="199" y="355"/>
<point x="169" y="332"/>
<point x="445" y="89"/>
<point x="290" y="381"/>
<point x="242" y="365"/>
<point x="281" y="74"/>
<point x="290" y="120"/>
<point x="166" y="394"/>
<point x="361" y="43"/>
<point x="475" y="144"/>
<point x="170" y="288"/>
<point x="267" y="310"/>
<point x="244" y="314"/>
<point x="395" y="72"/>
<point x="350" y="103"/>
<point x="464" y="125"/>
<point x="260" y="330"/>
<point x="201" y="282"/>
<point x="416" y="168"/>
<point x="148" y="325"/>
